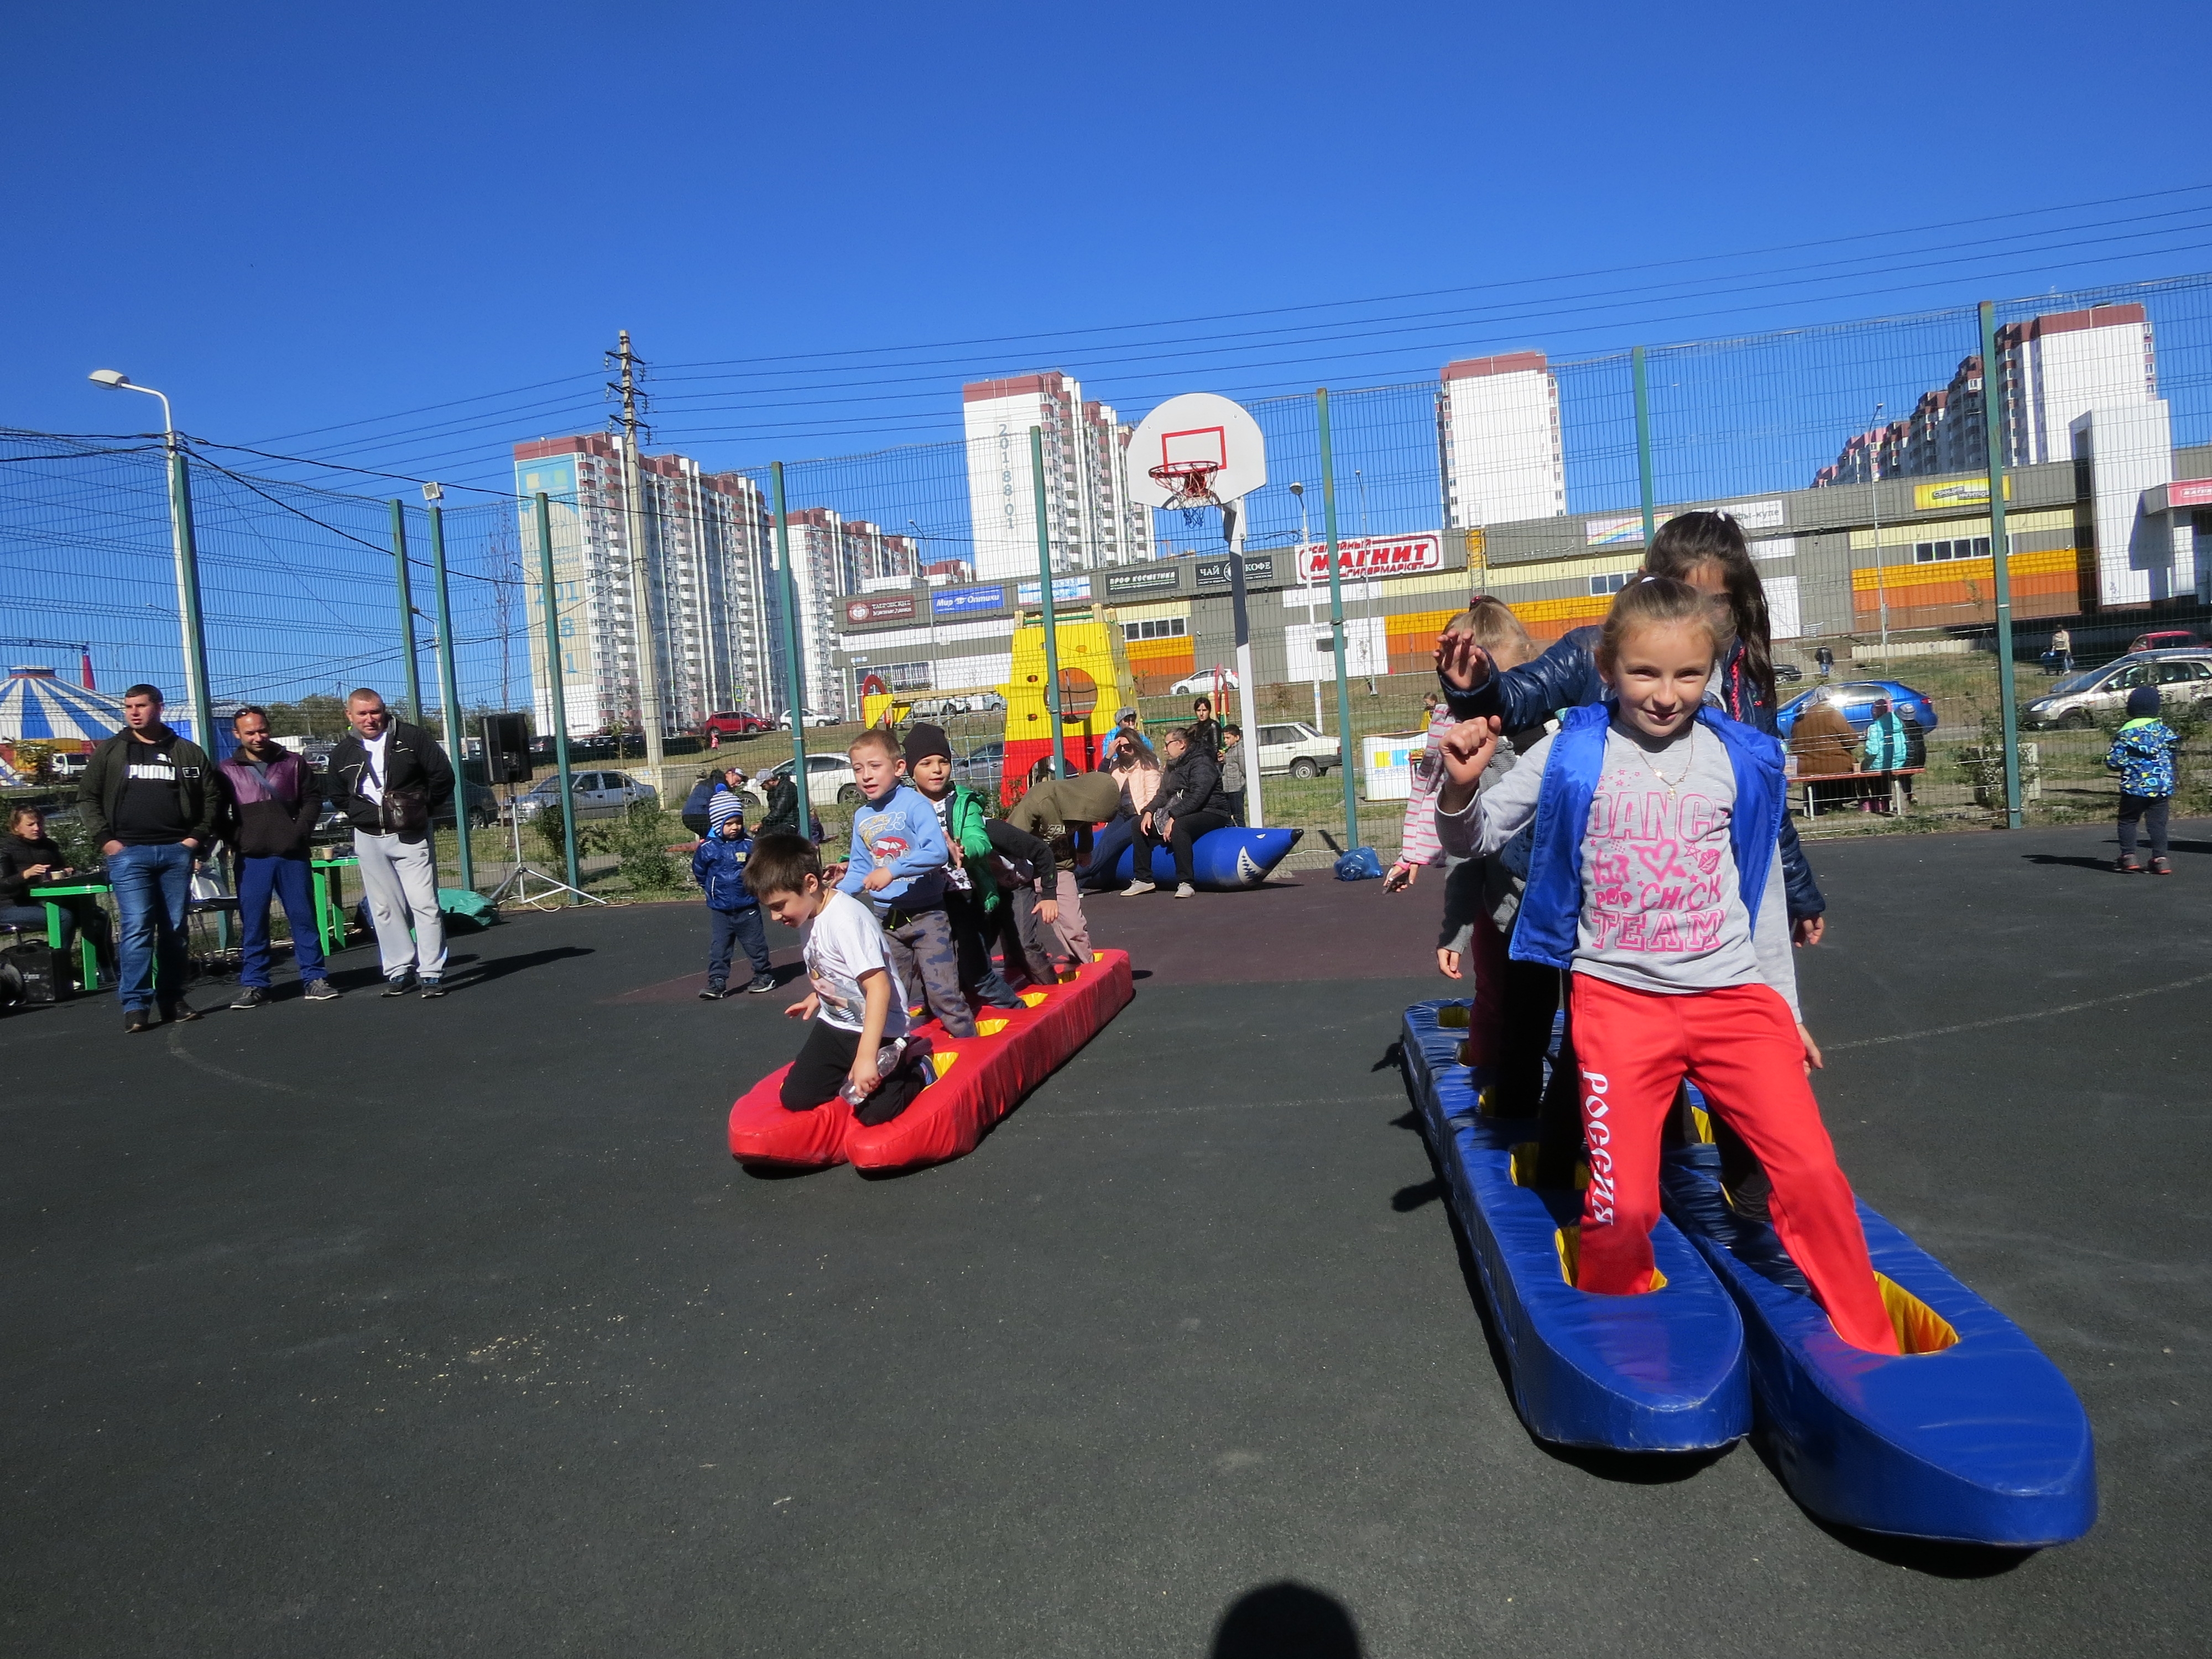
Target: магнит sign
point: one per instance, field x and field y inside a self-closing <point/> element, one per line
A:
<point x="1363" y="557"/>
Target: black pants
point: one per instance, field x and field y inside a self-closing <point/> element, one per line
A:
<point x="1188" y="829"/>
<point x="1025" y="940"/>
<point x="825" y="1060"/>
<point x="971" y="943"/>
<point x="728" y="930"/>
<point x="2152" y="811"/>
<point x="1235" y="807"/>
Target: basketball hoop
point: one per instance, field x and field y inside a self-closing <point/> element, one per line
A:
<point x="1189" y="485"/>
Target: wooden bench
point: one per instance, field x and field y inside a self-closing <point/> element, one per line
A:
<point x="1894" y="781"/>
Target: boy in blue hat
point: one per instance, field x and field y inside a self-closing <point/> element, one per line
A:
<point x="2143" y="757"/>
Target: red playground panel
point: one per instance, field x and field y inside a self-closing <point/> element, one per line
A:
<point x="979" y="1080"/>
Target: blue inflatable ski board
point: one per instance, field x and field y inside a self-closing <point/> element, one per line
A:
<point x="1662" y="1373"/>
<point x="1220" y="858"/>
<point x="1975" y="1438"/>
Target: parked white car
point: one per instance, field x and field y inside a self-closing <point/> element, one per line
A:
<point x="830" y="782"/>
<point x="813" y="718"/>
<point x="1201" y="683"/>
<point x="1296" y="748"/>
<point x="597" y="795"/>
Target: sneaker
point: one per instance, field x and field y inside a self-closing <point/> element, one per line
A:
<point x="2126" y="865"/>
<point x="2158" y="867"/>
<point x="321" y="990"/>
<point x="1137" y="887"/>
<point x="250" y="996"/>
<point x="400" y="987"/>
<point x="762" y="985"/>
<point x="1184" y="889"/>
<point x="182" y="1014"/>
<point x="431" y="988"/>
<point x="137" y="1019"/>
<point x="712" y="993"/>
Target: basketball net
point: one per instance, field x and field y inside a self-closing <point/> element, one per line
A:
<point x="1192" y="483"/>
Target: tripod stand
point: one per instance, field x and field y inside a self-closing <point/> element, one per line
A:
<point x="517" y="885"/>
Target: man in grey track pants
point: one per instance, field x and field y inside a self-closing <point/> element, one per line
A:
<point x="391" y="779"/>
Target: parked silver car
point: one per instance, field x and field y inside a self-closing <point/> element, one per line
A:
<point x="597" y="795"/>
<point x="2081" y="700"/>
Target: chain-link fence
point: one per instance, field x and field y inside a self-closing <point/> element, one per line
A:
<point x="1854" y="455"/>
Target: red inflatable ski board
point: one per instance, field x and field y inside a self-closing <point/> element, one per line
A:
<point x="979" y="1080"/>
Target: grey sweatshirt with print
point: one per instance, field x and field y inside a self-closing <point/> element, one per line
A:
<point x="1660" y="909"/>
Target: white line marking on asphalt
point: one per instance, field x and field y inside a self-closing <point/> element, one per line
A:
<point x="2014" y="1019"/>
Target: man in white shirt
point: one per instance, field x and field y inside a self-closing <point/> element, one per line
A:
<point x="392" y="778"/>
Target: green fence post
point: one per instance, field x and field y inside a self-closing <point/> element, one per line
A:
<point x="1336" y="622"/>
<point x="406" y="612"/>
<point x="558" y="693"/>
<point x="1643" y="444"/>
<point x="792" y="637"/>
<point x="449" y="694"/>
<point x="188" y="583"/>
<point x="1051" y="622"/>
<point x="2000" y="560"/>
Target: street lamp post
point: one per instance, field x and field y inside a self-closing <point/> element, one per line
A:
<point x="194" y="637"/>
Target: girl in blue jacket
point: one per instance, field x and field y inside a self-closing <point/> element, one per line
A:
<point x="2143" y="757"/>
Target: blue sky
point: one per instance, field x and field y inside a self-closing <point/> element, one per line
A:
<point x="817" y="221"/>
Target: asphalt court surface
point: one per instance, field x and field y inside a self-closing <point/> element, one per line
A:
<point x="404" y="1327"/>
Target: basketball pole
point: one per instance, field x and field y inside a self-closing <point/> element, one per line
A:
<point x="1232" y="526"/>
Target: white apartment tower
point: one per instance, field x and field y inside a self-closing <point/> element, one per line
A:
<point x="714" y="612"/>
<point x="1089" y="521"/>
<point x="2055" y="369"/>
<point x="1497" y="437"/>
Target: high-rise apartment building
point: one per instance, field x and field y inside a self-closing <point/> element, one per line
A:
<point x="1498" y="440"/>
<point x="1090" y="519"/>
<point x="713" y="611"/>
<point x="2051" y="370"/>
<point x="832" y="558"/>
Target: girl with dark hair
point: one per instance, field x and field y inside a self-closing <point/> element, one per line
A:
<point x="1708" y="552"/>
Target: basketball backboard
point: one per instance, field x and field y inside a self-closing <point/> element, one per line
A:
<point x="1198" y="443"/>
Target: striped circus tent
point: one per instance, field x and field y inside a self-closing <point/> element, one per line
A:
<point x="37" y="704"/>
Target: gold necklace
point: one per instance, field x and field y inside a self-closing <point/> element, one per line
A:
<point x="1670" y="784"/>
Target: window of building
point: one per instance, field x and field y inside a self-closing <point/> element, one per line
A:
<point x="1962" y="547"/>
<point x="1157" y="628"/>
<point x="1612" y="584"/>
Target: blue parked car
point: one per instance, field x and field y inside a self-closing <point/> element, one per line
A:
<point x="1856" y="698"/>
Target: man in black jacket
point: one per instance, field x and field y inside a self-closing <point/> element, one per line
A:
<point x="1189" y="803"/>
<point x="273" y="799"/>
<point x="392" y="778"/>
<point x="149" y="800"/>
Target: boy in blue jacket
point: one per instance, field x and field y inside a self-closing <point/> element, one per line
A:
<point x="717" y="864"/>
<point x="2142" y="755"/>
<point x="896" y="867"/>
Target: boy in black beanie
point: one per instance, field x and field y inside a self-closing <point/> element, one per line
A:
<point x="971" y="891"/>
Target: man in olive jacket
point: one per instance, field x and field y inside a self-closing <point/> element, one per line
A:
<point x="392" y="778"/>
<point x="149" y="800"/>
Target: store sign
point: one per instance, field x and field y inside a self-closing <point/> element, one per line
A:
<point x="954" y="601"/>
<point x="1958" y="492"/>
<point x="1628" y="530"/>
<point x="1364" y="557"/>
<point x="1162" y="580"/>
<point x="1066" y="590"/>
<point x="1215" y="573"/>
<point x="880" y="608"/>
<point x="2181" y="493"/>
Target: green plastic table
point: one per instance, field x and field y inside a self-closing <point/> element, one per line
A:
<point x="330" y="906"/>
<point x="87" y="956"/>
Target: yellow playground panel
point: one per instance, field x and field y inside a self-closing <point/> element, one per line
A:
<point x="1095" y="684"/>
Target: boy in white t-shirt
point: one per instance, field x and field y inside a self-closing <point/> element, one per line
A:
<point x="857" y="995"/>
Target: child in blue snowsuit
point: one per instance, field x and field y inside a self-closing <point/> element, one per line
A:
<point x="717" y="864"/>
<point x="2143" y="757"/>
